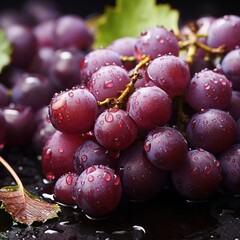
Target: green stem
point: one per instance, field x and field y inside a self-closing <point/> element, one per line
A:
<point x="129" y="87"/>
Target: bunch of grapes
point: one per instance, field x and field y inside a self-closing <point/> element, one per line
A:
<point x="142" y="114"/>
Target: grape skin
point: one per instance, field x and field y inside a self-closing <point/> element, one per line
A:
<point x="170" y="73"/>
<point x="166" y="148"/>
<point x="57" y="154"/>
<point x="149" y="107"/>
<point x="98" y="191"/>
<point x="91" y="153"/>
<point x="96" y="59"/>
<point x="108" y="81"/>
<point x="213" y="130"/>
<point x="230" y="162"/>
<point x="209" y="89"/>
<point x="156" y="41"/>
<point x="73" y="111"/>
<point x="141" y="180"/>
<point x="220" y="31"/>
<point x="199" y="176"/>
<point x="115" y="129"/>
<point x="230" y="65"/>
<point x="64" y="188"/>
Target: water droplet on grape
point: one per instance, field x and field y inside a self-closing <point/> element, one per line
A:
<point x="90" y="178"/>
<point x="71" y="94"/>
<point x="107" y="176"/>
<point x="109" y="117"/>
<point x="147" y="146"/>
<point x="50" y="176"/>
<point x="69" y="179"/>
<point x="90" y="169"/>
<point x="108" y="84"/>
<point x="208" y="169"/>
<point x="84" y="158"/>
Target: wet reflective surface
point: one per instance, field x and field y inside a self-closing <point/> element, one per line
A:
<point x="167" y="216"/>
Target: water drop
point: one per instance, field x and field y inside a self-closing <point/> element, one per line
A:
<point x="90" y="169"/>
<point x="69" y="179"/>
<point x="107" y="176"/>
<point x="109" y="117"/>
<point x="147" y="146"/>
<point x="108" y="84"/>
<point x="84" y="158"/>
<point x="90" y="178"/>
<point x="50" y="176"/>
<point x="71" y="94"/>
<point x="208" y="169"/>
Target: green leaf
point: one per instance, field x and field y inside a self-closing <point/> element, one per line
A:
<point x="5" y="50"/>
<point x="131" y="17"/>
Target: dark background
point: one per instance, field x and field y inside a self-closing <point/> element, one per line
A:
<point x="188" y="9"/>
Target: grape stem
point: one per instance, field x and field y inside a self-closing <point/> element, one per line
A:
<point x="134" y="76"/>
<point x="182" y="118"/>
<point x="192" y="43"/>
<point x="12" y="172"/>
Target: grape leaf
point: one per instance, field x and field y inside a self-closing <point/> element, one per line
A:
<point x="130" y="18"/>
<point x="23" y="206"/>
<point x="26" y="208"/>
<point x="5" y="51"/>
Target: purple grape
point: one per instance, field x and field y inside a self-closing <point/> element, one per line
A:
<point x="230" y="66"/>
<point x="108" y="81"/>
<point x="213" y="130"/>
<point x="98" y="191"/>
<point x="72" y="31"/>
<point x="209" y="89"/>
<point x="42" y="133"/>
<point x="234" y="105"/>
<point x="20" y="125"/>
<point x="91" y="153"/>
<point x="141" y="180"/>
<point x="58" y="153"/>
<point x="64" y="188"/>
<point x="44" y="33"/>
<point x="96" y="59"/>
<point x="204" y="23"/>
<point x="125" y="46"/>
<point x="64" y="68"/>
<point x="156" y="41"/>
<point x="73" y="111"/>
<point x="149" y="107"/>
<point x="230" y="162"/>
<point x="34" y="90"/>
<point x="170" y="73"/>
<point x="24" y="44"/>
<point x="42" y="60"/>
<point x="224" y="31"/>
<point x="115" y="129"/>
<point x="199" y="176"/>
<point x="166" y="148"/>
